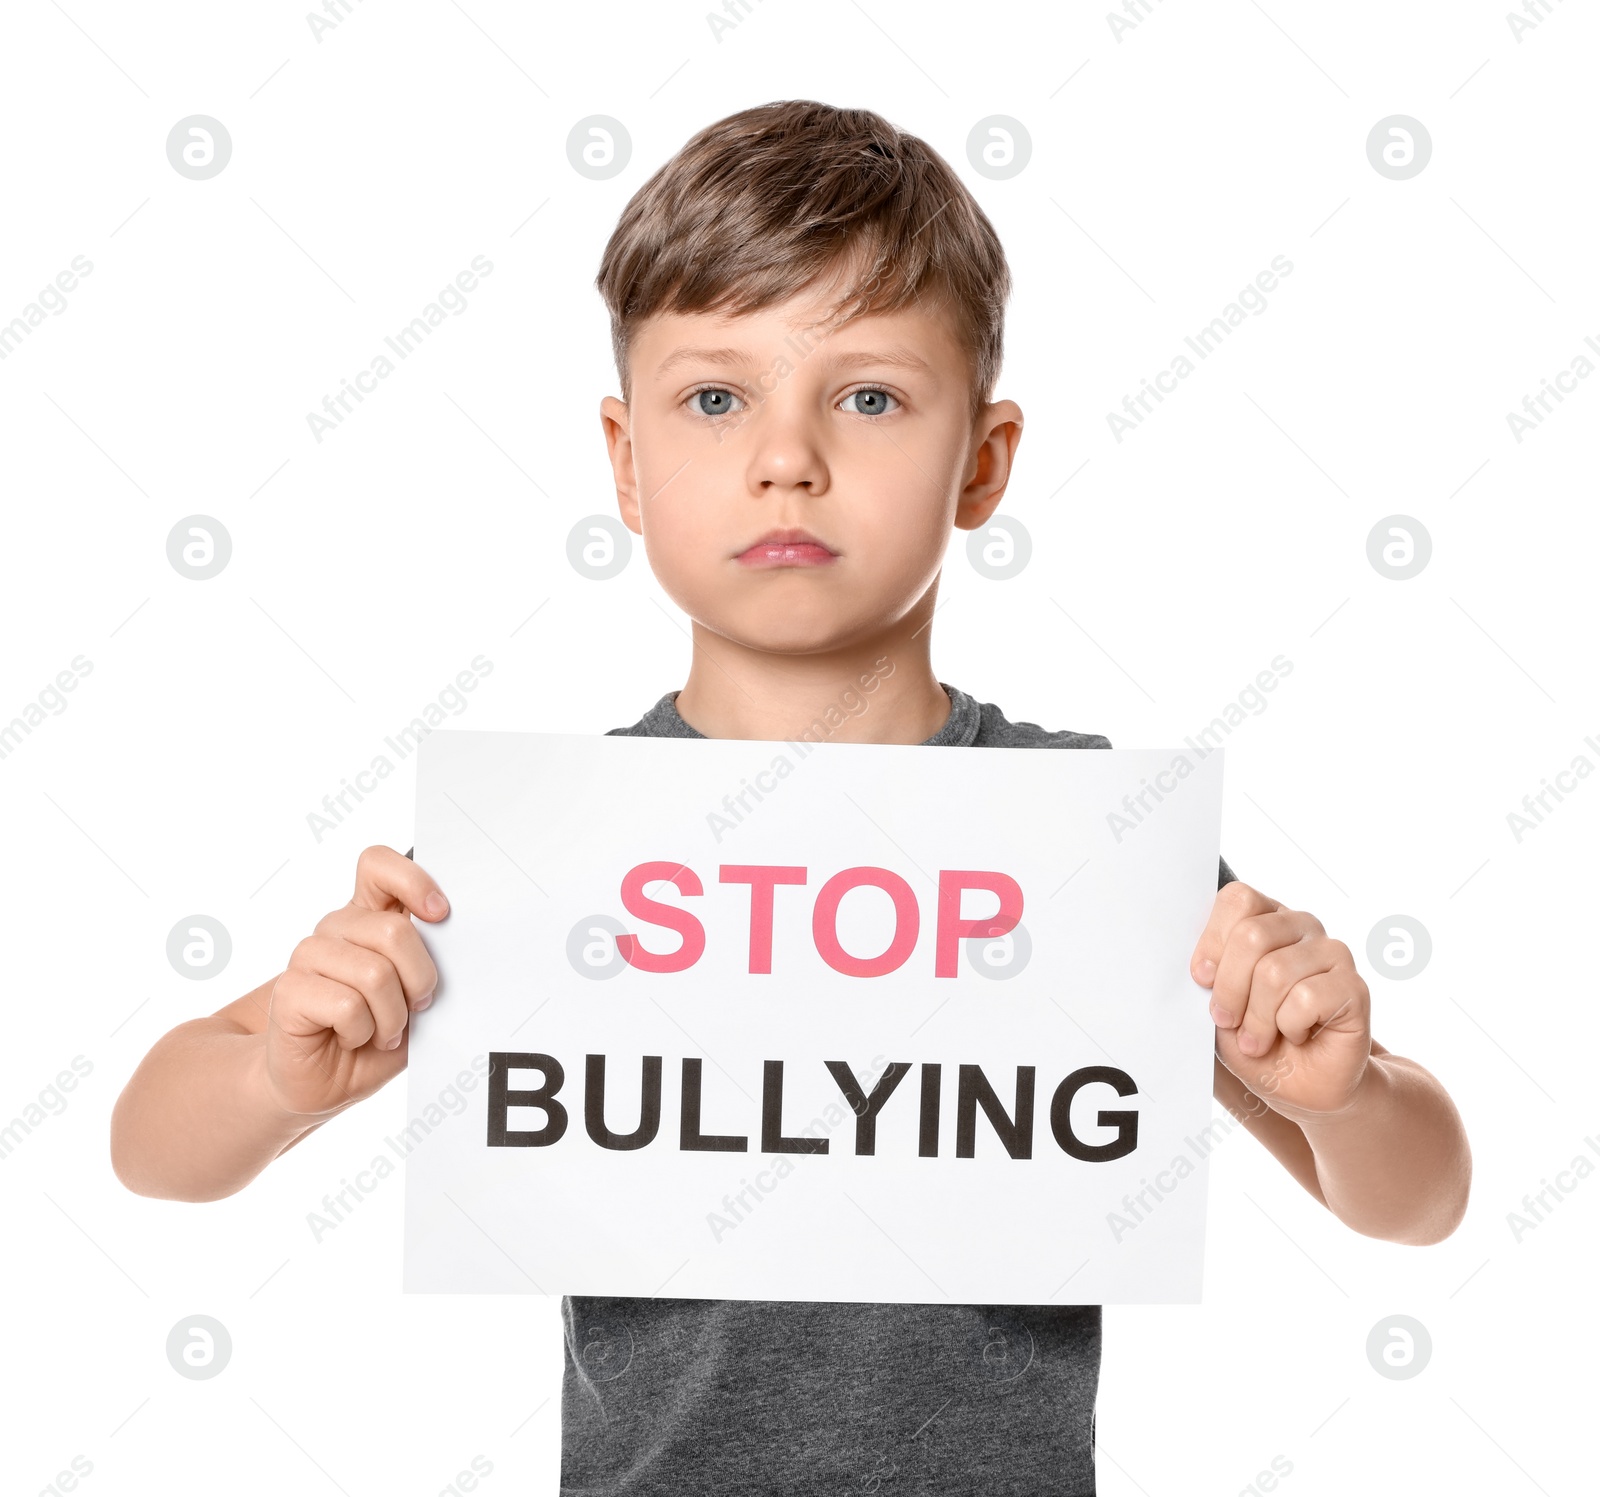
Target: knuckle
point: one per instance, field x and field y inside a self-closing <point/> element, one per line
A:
<point x="351" y="1010"/>
<point x="373" y="973"/>
<point x="1273" y="970"/>
<point x="1298" y="992"/>
<point x="1254" y="936"/>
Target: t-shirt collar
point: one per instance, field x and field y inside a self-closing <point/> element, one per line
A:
<point x="960" y="728"/>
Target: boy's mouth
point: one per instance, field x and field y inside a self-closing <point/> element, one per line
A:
<point x="786" y="548"/>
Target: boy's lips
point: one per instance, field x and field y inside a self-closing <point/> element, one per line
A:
<point x="786" y="548"/>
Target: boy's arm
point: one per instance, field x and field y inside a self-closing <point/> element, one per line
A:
<point x="219" y="1098"/>
<point x="197" y="1121"/>
<point x="1284" y="1140"/>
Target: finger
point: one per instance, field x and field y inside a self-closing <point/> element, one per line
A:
<point x="386" y="879"/>
<point x="305" y="1005"/>
<point x="1248" y="942"/>
<point x="1234" y="902"/>
<point x="370" y="973"/>
<point x="1275" y="974"/>
<point x="391" y="934"/>
<point x="1325" y="1000"/>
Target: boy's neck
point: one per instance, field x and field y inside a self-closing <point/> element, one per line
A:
<point x="880" y="691"/>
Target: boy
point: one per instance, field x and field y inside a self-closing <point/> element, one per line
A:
<point x="807" y="312"/>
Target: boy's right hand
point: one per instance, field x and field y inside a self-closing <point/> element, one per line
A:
<point x="336" y="1022"/>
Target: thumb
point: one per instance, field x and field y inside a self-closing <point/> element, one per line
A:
<point x="387" y="880"/>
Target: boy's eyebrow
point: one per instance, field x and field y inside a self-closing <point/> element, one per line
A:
<point x="898" y="358"/>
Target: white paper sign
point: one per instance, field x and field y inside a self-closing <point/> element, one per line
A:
<point x="745" y="1020"/>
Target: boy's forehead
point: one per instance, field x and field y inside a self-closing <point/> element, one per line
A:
<point x="914" y="338"/>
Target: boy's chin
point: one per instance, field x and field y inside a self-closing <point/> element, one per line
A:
<point x="789" y="642"/>
<point x="770" y="632"/>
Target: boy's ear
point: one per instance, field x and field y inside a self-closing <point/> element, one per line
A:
<point x="996" y="433"/>
<point x="619" y="447"/>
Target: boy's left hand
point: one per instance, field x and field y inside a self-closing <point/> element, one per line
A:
<point x="1293" y="1015"/>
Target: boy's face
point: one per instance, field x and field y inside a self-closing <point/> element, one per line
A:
<point x="800" y="502"/>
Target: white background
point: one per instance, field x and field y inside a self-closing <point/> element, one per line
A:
<point x="1167" y="170"/>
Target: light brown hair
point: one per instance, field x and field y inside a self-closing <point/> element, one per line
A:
<point x="789" y="195"/>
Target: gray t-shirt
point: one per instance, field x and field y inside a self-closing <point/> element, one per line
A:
<point x="713" y="1397"/>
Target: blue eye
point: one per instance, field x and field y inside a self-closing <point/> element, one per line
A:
<point x="874" y="402"/>
<point x="713" y="401"/>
